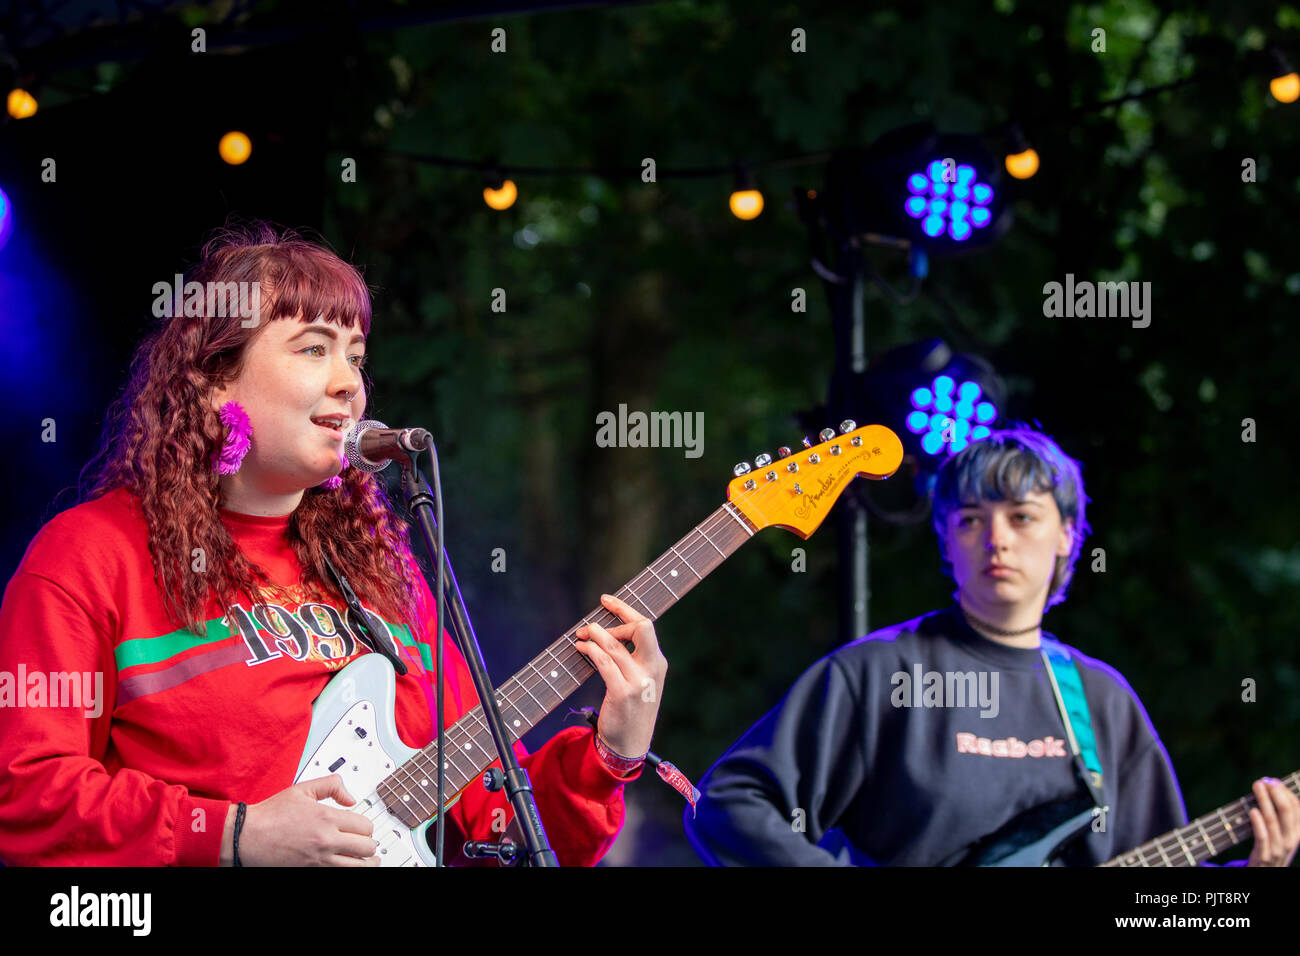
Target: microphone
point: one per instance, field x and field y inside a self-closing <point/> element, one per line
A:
<point x="371" y="446"/>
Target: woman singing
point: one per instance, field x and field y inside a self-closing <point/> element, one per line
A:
<point x="164" y="640"/>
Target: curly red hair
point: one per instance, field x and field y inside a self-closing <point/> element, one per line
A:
<point x="160" y="436"/>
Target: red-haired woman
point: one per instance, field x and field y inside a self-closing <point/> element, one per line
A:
<point x="192" y="588"/>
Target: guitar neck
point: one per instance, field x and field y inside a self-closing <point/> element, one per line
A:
<point x="550" y="677"/>
<point x="1201" y="839"/>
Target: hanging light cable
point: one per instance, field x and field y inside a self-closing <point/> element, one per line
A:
<point x="1285" y="83"/>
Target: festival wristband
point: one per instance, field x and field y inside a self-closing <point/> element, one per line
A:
<point x="620" y="765"/>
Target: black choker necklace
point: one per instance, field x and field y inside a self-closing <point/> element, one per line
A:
<point x="971" y="618"/>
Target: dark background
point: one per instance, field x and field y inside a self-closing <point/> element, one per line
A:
<point x="655" y="296"/>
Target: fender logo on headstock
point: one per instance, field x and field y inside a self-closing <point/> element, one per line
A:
<point x="810" y="500"/>
<point x="798" y="494"/>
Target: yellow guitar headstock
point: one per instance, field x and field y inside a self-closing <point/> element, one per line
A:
<point x="796" y="490"/>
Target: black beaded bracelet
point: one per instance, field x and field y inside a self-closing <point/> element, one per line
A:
<point x="239" y="825"/>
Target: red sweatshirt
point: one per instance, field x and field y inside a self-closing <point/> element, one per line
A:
<point x="143" y="769"/>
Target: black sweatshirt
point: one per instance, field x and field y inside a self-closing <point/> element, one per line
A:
<point x="854" y="754"/>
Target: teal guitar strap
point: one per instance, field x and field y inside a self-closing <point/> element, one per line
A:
<point x="1067" y="686"/>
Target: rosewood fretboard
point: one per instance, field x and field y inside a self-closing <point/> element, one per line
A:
<point x="1201" y="839"/>
<point x="410" y="792"/>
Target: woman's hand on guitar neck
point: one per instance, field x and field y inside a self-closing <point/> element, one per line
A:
<point x="293" y="829"/>
<point x="634" y="680"/>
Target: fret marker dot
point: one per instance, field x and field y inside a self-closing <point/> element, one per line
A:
<point x="516" y="723"/>
<point x="406" y="796"/>
<point x="424" y="783"/>
<point x="467" y="746"/>
<point x="673" y="573"/>
<point x="555" y="673"/>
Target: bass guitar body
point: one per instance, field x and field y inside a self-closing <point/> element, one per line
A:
<point x="1034" y="838"/>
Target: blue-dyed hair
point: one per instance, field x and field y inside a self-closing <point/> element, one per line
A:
<point x="1007" y="465"/>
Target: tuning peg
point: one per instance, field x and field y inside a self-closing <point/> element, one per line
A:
<point x="826" y="434"/>
<point x="763" y="459"/>
<point x="806" y="442"/>
<point x="783" y="451"/>
<point x="741" y="469"/>
<point x="847" y="426"/>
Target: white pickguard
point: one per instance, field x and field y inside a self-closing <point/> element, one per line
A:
<point x="354" y="735"/>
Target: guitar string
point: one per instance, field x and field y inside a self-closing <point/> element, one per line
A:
<point x="721" y="517"/>
<point x="378" y="809"/>
<point x="477" y="722"/>
<point x="647" y="578"/>
<point x="1157" y="849"/>
<point x="1239" y="814"/>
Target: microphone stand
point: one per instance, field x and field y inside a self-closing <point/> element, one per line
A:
<point x="518" y="787"/>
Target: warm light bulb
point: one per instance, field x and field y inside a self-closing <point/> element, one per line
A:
<point x="1022" y="165"/>
<point x="21" y="103"/>
<point x="235" y="148"/>
<point x="746" y="203"/>
<point x="502" y="198"/>
<point x="1285" y="89"/>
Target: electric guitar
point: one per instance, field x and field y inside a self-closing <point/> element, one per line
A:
<point x="353" y="732"/>
<point x="1039" y="835"/>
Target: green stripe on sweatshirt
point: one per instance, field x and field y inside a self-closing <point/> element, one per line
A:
<point x="404" y="634"/>
<point x="155" y="650"/>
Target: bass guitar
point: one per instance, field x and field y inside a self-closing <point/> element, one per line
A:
<point x="353" y="732"/>
<point x="1040" y="835"/>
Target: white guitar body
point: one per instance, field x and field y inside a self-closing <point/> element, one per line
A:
<point x="353" y="734"/>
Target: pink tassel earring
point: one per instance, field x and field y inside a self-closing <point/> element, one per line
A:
<point x="239" y="436"/>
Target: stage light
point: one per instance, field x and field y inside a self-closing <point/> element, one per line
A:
<point x="946" y="197"/>
<point x="746" y="201"/>
<point x="949" y="428"/>
<point x="235" y="148"/>
<point x="21" y="104"/>
<point x="931" y="194"/>
<point x="6" y="218"/>
<point x="501" y="197"/>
